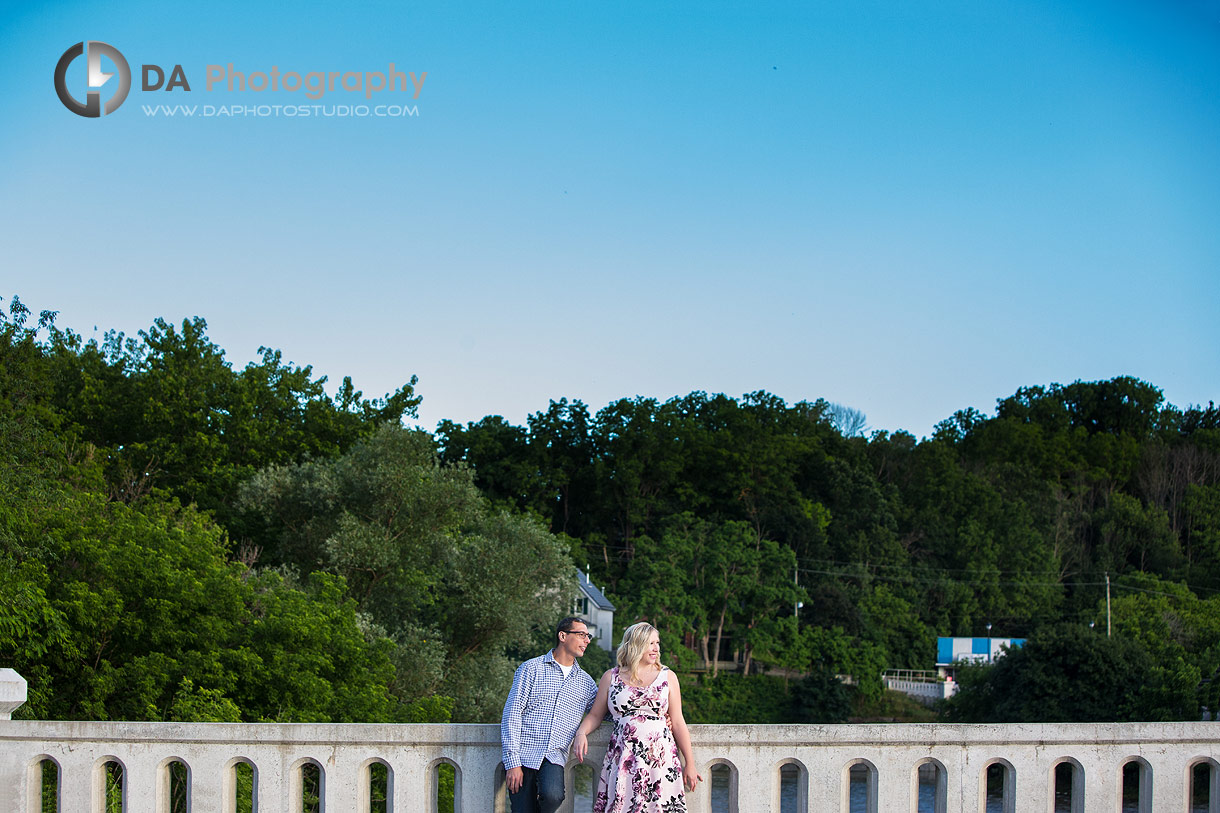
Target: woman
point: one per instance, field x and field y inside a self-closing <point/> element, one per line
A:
<point x="641" y="773"/>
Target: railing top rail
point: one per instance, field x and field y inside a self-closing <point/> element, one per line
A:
<point x="913" y="676"/>
<point x="475" y="735"/>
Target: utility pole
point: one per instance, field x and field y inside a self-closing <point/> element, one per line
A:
<point x="796" y="605"/>
<point x="1107" y="604"/>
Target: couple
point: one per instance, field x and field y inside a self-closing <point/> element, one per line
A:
<point x="641" y="773"/>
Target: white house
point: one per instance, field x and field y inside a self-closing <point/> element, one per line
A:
<point x="596" y="611"/>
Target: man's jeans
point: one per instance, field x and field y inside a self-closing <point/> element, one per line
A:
<point x="541" y="790"/>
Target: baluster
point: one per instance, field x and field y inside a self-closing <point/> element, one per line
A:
<point x="411" y="781"/>
<point x="76" y="781"/>
<point x="272" y="781"/>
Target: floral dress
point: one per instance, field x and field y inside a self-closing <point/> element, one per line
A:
<point x="641" y="773"/>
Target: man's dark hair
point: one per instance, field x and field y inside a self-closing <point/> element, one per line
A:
<point x="566" y="624"/>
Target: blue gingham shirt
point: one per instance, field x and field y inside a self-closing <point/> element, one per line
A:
<point x="543" y="711"/>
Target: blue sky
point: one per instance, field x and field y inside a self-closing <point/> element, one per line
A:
<point x="906" y="208"/>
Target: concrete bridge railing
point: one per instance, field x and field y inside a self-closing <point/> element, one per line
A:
<point x="770" y="768"/>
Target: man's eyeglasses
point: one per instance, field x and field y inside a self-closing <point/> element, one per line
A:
<point x="584" y="635"/>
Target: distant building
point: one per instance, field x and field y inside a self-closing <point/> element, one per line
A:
<point x="953" y="651"/>
<point x="928" y="686"/>
<point x="596" y="611"/>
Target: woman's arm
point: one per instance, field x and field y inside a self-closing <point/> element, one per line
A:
<point x="690" y="774"/>
<point x="601" y="705"/>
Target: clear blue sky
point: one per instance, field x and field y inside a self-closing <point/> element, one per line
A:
<point x="906" y="208"/>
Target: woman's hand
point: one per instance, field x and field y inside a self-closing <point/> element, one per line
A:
<point x="580" y="746"/>
<point x="691" y="778"/>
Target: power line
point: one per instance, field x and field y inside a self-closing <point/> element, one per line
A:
<point x="909" y="566"/>
<point x="983" y="582"/>
<point x="910" y="579"/>
<point x="914" y="573"/>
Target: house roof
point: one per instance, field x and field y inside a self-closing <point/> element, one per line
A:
<point x="590" y="589"/>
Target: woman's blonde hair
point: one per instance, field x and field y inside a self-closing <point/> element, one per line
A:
<point x="635" y="643"/>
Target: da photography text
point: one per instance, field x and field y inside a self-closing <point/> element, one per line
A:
<point x="389" y="86"/>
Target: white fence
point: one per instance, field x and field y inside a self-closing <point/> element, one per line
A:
<point x="819" y="762"/>
<point x="925" y="686"/>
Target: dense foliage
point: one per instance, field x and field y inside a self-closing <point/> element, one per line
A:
<point x="1068" y="674"/>
<point x="180" y="539"/>
<point x="139" y="483"/>
<point x="1014" y="520"/>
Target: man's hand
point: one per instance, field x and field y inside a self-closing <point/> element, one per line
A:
<point x="513" y="778"/>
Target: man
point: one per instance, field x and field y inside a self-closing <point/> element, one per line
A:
<point x="549" y="697"/>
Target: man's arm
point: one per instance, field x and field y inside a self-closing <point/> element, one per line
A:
<point x="510" y="720"/>
<point x="591" y="689"/>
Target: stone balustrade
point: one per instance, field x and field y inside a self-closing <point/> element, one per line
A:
<point x="816" y="764"/>
<point x="821" y="759"/>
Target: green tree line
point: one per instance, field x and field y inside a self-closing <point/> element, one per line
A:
<point x="181" y="539"/>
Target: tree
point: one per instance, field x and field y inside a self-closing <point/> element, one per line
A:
<point x="694" y="512"/>
<point x="505" y="468"/>
<point x="563" y="453"/>
<point x="137" y="615"/>
<point x="1178" y="629"/>
<point x="893" y="623"/>
<point x="730" y="560"/>
<point x="841" y="654"/>
<point x="170" y="412"/>
<point x="1122" y="405"/>
<point x="1069" y="674"/>
<point x="820" y="697"/>
<point x="850" y="422"/>
<point x="1202" y="532"/>
<point x="782" y="642"/>
<point x="455" y="582"/>
<point x="664" y="587"/>
<point x="1135" y="536"/>
<point x="640" y="459"/>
